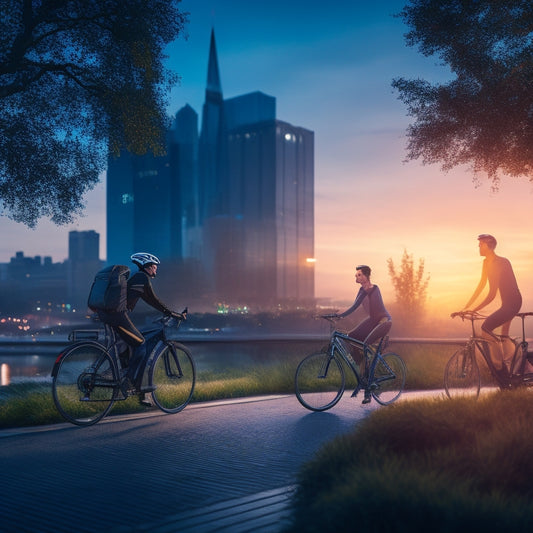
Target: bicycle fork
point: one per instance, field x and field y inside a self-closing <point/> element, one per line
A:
<point x="170" y="356"/>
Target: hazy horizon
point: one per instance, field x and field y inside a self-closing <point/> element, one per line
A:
<point x="330" y="69"/>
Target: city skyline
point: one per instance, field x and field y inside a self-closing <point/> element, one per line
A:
<point x="230" y="206"/>
<point x="330" y="71"/>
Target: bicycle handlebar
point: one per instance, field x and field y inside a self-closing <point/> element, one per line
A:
<point x="166" y="320"/>
<point x="469" y="315"/>
<point x="523" y="315"/>
<point x="329" y="318"/>
<point x="474" y="315"/>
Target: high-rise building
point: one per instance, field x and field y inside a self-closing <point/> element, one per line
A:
<point x="231" y="207"/>
<point x="272" y="183"/>
<point x="119" y="208"/>
<point x="183" y="154"/>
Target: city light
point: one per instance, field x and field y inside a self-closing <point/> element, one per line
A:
<point x="310" y="260"/>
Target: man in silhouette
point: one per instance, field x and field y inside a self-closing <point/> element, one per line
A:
<point x="498" y="272"/>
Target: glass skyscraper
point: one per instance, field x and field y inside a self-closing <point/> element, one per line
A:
<point x="231" y="206"/>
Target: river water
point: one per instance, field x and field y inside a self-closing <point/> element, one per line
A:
<point x="34" y="362"/>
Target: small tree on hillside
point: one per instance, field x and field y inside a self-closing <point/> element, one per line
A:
<point x="410" y="285"/>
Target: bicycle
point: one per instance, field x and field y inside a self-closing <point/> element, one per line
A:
<point x="320" y="378"/>
<point x="89" y="377"/>
<point x="462" y="376"/>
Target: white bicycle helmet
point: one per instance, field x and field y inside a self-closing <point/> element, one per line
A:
<point x="144" y="259"/>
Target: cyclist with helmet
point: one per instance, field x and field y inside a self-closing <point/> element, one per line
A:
<point x="139" y="287"/>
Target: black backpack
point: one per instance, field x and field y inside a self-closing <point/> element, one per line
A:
<point x="109" y="291"/>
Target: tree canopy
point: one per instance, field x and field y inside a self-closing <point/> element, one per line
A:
<point x="483" y="116"/>
<point x="78" y="79"/>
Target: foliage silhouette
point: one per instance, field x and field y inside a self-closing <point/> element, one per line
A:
<point x="78" y="80"/>
<point x="410" y="286"/>
<point x="482" y="116"/>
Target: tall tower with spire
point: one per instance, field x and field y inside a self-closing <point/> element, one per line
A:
<point x="211" y="154"/>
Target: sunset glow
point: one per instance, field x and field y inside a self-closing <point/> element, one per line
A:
<point x="335" y="78"/>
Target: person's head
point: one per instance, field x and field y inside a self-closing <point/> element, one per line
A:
<point x="146" y="262"/>
<point x="486" y="241"/>
<point x="362" y="273"/>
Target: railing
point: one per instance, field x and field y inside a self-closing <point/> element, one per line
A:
<point x="60" y="341"/>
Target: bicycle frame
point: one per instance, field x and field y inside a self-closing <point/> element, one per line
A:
<point x="520" y="358"/>
<point x="337" y="342"/>
<point x="111" y="344"/>
<point x="156" y="341"/>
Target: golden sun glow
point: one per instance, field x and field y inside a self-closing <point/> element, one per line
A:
<point x="435" y="217"/>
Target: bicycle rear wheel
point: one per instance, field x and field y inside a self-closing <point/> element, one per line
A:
<point x="461" y="375"/>
<point x="389" y="378"/>
<point x="85" y="384"/>
<point x="319" y="381"/>
<point x="173" y="373"/>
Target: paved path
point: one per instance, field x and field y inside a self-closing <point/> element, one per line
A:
<point x="219" y="466"/>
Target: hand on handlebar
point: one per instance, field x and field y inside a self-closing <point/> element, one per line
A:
<point x="468" y="314"/>
<point x="180" y="316"/>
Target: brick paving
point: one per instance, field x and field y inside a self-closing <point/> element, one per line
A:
<point x="220" y="466"/>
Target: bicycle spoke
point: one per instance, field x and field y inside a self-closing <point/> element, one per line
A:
<point x="173" y="373"/>
<point x="389" y="378"/>
<point x="85" y="384"/>
<point x="461" y="376"/>
<point x="319" y="381"/>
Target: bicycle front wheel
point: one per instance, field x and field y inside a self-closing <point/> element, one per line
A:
<point x="461" y="375"/>
<point x="389" y="378"/>
<point x="173" y="373"/>
<point x="85" y="384"/>
<point x="319" y="381"/>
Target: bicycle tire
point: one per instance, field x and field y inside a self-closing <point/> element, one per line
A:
<point x="85" y="384"/>
<point x="319" y="381"/>
<point x="173" y="373"/>
<point x="462" y="378"/>
<point x="390" y="374"/>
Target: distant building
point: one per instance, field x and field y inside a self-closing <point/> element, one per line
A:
<point x="82" y="264"/>
<point x="229" y="208"/>
<point x="32" y="284"/>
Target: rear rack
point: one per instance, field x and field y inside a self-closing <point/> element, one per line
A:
<point x="84" y="335"/>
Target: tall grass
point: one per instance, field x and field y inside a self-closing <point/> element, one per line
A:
<point x="425" y="465"/>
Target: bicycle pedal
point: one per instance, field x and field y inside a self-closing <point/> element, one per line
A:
<point x="126" y="387"/>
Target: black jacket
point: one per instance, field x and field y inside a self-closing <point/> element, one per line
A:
<point x="140" y="286"/>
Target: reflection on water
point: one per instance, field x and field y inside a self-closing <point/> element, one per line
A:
<point x="213" y="356"/>
<point x="18" y="368"/>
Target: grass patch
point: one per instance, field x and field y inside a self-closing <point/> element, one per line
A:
<point x="425" y="465"/>
<point x="31" y="403"/>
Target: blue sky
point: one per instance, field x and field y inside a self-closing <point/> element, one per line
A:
<point x="330" y="67"/>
